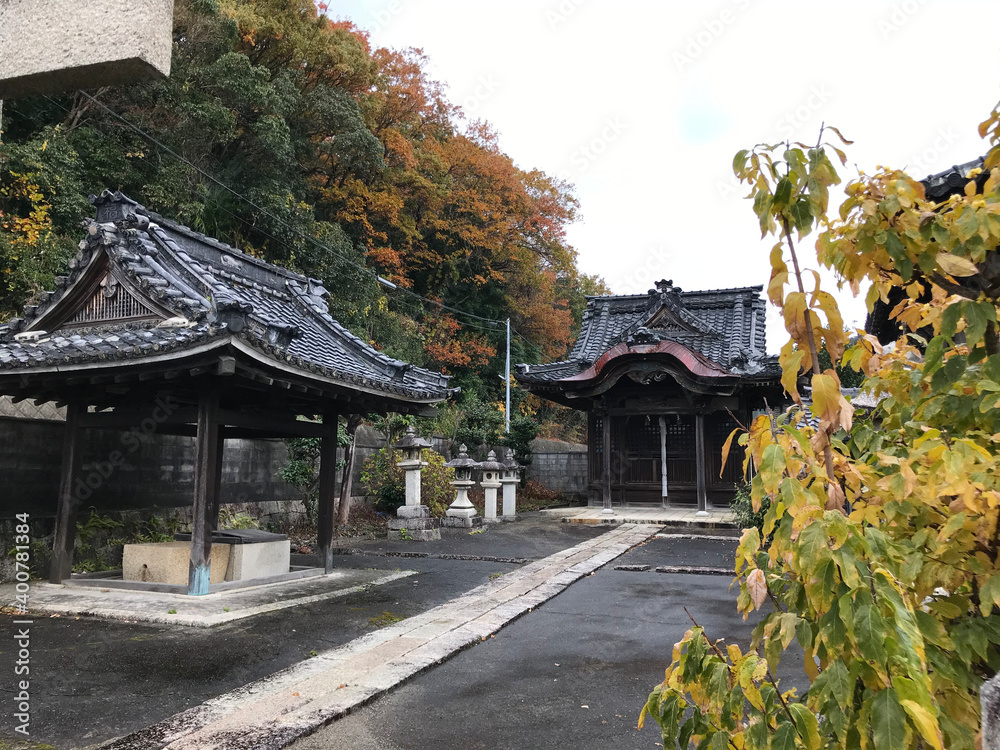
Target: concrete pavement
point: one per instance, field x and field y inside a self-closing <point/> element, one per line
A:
<point x="273" y="712"/>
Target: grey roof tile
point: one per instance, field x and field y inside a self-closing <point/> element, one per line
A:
<point x="726" y="326"/>
<point x="222" y="292"/>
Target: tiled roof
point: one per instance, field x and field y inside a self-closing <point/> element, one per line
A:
<point x="725" y="326"/>
<point x="221" y="293"/>
<point x="952" y="180"/>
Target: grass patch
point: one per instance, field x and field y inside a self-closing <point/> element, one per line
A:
<point x="384" y="619"/>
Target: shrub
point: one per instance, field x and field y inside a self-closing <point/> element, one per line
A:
<point x="384" y="481"/>
<point x="743" y="512"/>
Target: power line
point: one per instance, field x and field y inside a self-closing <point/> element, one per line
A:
<point x="208" y="176"/>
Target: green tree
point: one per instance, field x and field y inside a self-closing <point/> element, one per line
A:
<point x="884" y="563"/>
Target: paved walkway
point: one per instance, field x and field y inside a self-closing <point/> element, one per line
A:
<point x="717" y="518"/>
<point x="273" y="712"/>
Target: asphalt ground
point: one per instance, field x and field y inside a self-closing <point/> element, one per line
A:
<point x="574" y="673"/>
<point x="610" y="634"/>
<point x="93" y="680"/>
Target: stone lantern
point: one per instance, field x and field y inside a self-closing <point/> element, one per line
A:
<point x="490" y="482"/>
<point x="413" y="517"/>
<point x="412" y="448"/>
<point x="510" y="478"/>
<point x="462" y="512"/>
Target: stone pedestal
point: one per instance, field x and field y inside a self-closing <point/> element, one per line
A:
<point x="456" y="522"/>
<point x="509" y="511"/>
<point x="490" y="492"/>
<point x="462" y="507"/>
<point x="417" y="523"/>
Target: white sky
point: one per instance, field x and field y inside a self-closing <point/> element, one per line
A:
<point x="643" y="104"/>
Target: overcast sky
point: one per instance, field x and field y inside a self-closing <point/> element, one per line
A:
<point x="642" y="105"/>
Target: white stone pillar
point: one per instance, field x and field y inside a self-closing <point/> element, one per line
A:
<point x="510" y="479"/>
<point x="411" y="471"/>
<point x="491" y="469"/>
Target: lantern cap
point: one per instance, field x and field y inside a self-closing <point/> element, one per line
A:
<point x="462" y="461"/>
<point x="509" y="463"/>
<point x="411" y="440"/>
<point x="491" y="463"/>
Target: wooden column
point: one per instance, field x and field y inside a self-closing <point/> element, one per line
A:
<point x="69" y="502"/>
<point x="701" y="465"/>
<point x="216" y="498"/>
<point x="606" y="461"/>
<point x="206" y="470"/>
<point x="663" y="461"/>
<point x="327" y="510"/>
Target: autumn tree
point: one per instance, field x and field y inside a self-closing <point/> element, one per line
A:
<point x="884" y="561"/>
<point x="346" y="162"/>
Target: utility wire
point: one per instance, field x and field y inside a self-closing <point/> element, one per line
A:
<point x="208" y="176"/>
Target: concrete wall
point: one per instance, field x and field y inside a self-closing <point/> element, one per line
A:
<point x="51" y="46"/>
<point x="559" y="466"/>
<point x="124" y="470"/>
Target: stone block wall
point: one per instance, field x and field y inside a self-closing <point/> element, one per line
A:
<point x="123" y="470"/>
<point x="560" y="466"/>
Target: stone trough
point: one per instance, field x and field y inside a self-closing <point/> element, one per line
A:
<point x="240" y="557"/>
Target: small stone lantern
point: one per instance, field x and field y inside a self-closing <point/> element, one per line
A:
<point x="510" y="478"/>
<point x="413" y="517"/>
<point x="412" y="448"/>
<point x="490" y="482"/>
<point x="462" y="512"/>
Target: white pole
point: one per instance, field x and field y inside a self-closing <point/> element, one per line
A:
<point x="507" y="381"/>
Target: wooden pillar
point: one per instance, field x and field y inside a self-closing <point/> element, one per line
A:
<point x="606" y="461"/>
<point x="663" y="461"/>
<point x="216" y="497"/>
<point x="206" y="471"/>
<point x="701" y="465"/>
<point x="68" y="501"/>
<point x="327" y="510"/>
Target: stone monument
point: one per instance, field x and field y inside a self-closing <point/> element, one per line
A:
<point x="461" y="512"/>
<point x="413" y="520"/>
<point x="510" y="479"/>
<point x="490" y="483"/>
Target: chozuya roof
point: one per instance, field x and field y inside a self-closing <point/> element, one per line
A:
<point x="142" y="287"/>
<point x="716" y="334"/>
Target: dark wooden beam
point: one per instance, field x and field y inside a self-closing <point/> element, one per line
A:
<point x="326" y="512"/>
<point x="206" y="467"/>
<point x="606" y="461"/>
<point x="273" y="424"/>
<point x="215" y="500"/>
<point x="154" y="415"/>
<point x="69" y="500"/>
<point x="701" y="465"/>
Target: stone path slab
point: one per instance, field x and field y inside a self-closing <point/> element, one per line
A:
<point x="273" y="712"/>
<point x="717" y="518"/>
